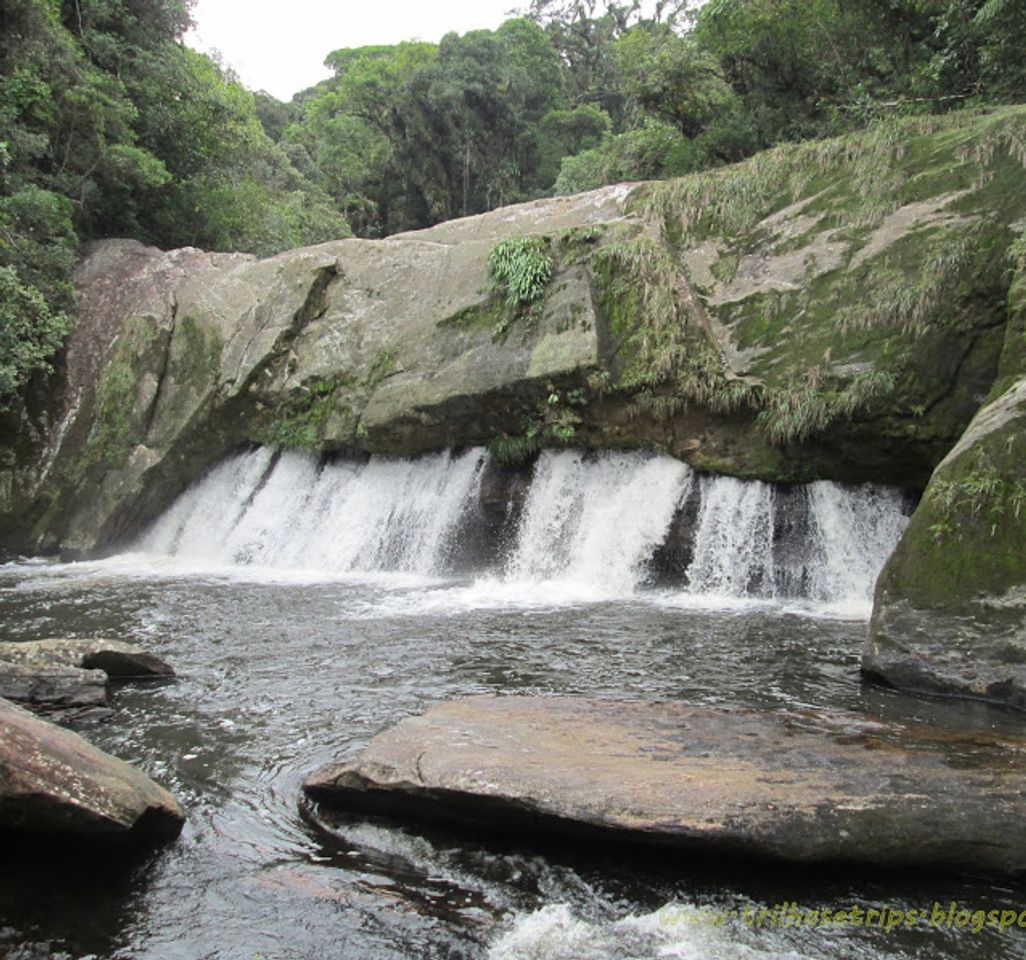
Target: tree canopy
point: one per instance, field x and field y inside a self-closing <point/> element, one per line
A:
<point x="110" y="126"/>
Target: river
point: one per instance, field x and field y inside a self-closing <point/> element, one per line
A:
<point x="285" y="665"/>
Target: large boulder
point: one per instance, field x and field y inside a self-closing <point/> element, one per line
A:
<point x="118" y="659"/>
<point x="60" y="692"/>
<point x="54" y="786"/>
<point x="826" y="310"/>
<point x="949" y="615"/>
<point x="799" y="787"/>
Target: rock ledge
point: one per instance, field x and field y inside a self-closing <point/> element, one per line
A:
<point x="800" y="787"/>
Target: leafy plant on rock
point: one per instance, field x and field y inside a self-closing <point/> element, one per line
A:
<point x="522" y="267"/>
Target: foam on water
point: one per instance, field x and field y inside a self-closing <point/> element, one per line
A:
<point x="675" y="931"/>
<point x="590" y="530"/>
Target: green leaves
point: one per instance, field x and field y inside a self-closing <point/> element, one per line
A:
<point x="30" y="332"/>
<point x="522" y="267"/>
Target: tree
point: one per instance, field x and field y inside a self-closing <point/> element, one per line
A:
<point x="673" y="79"/>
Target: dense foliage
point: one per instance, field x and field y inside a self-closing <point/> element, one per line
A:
<point x="110" y="126"/>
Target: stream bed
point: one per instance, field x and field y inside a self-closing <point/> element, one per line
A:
<point x="281" y="671"/>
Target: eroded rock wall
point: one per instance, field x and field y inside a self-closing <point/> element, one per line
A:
<point x="832" y="310"/>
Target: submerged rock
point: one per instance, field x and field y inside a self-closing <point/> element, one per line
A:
<point x="54" y="786"/>
<point x="116" y="658"/>
<point x="798" y="787"/>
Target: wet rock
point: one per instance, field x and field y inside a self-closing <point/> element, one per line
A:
<point x="116" y="658"/>
<point x="62" y="693"/>
<point x="790" y="329"/>
<point x="801" y="787"/>
<point x="949" y="615"/>
<point x="54" y="786"/>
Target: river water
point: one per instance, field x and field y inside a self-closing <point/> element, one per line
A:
<point x="290" y="656"/>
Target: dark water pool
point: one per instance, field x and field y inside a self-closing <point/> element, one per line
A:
<point x="279" y="676"/>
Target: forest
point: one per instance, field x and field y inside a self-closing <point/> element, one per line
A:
<point x="111" y="126"/>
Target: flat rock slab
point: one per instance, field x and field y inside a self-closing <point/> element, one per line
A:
<point x="56" y="786"/>
<point x="58" y="691"/>
<point x="799" y="787"/>
<point x="116" y="658"/>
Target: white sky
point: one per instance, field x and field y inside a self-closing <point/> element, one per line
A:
<point x="280" y="45"/>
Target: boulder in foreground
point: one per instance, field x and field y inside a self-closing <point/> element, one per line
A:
<point x="56" y="786"/>
<point x="804" y="788"/>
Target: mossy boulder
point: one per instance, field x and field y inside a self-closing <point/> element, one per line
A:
<point x="950" y="610"/>
<point x="827" y="310"/>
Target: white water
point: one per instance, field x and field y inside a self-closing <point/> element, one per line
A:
<point x="734" y="544"/>
<point x="340" y="517"/>
<point x="590" y="527"/>
<point x="740" y="552"/>
<point x="596" y="521"/>
<point x="677" y="931"/>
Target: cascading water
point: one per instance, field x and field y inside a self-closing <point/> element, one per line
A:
<point x="822" y="542"/>
<point x="734" y="541"/>
<point x="597" y="520"/>
<point x="290" y="511"/>
<point x="590" y="521"/>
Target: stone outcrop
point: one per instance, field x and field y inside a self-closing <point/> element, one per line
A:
<point x="62" y="693"/>
<point x="800" y="787"/>
<point x="67" y="679"/>
<point x="116" y="658"/>
<point x="828" y="310"/>
<point x="949" y="616"/>
<point x="56" y="787"/>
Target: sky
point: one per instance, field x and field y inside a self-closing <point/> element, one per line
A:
<point x="279" y="45"/>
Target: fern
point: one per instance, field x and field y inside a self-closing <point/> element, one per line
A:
<point x="522" y="267"/>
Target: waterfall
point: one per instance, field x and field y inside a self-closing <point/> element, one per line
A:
<point x="823" y="542"/>
<point x="610" y="523"/>
<point x="291" y="511"/>
<point x="597" y="519"/>
<point x="855" y="530"/>
<point x="734" y="541"/>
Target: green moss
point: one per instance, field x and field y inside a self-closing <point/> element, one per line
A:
<point x="301" y="422"/>
<point x="382" y="367"/>
<point x="199" y="351"/>
<point x="495" y="315"/>
<point x="110" y="438"/>
<point x="115" y="426"/>
<point x="966" y="538"/>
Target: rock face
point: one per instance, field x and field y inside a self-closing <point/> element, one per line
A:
<point x="949" y="615"/>
<point x="829" y="310"/>
<point x="803" y="788"/>
<point x="116" y="658"/>
<point x="67" y="679"/>
<point x="54" y="786"/>
<point x="66" y="693"/>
